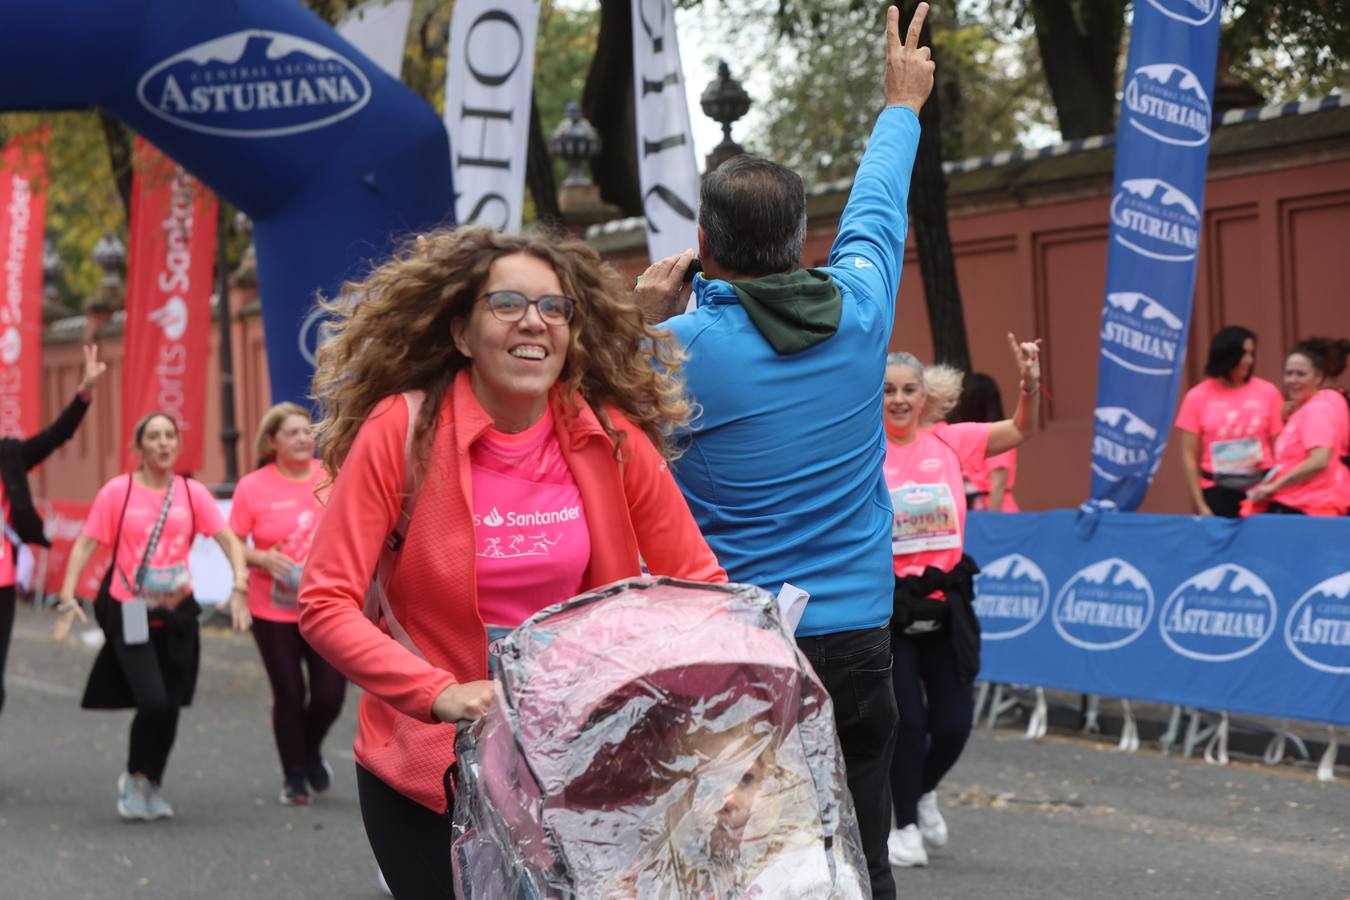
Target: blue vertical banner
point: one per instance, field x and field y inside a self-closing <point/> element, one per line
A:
<point x="1162" y="147"/>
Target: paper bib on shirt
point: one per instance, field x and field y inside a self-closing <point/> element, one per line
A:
<point x="925" y="519"/>
<point x="1239" y="456"/>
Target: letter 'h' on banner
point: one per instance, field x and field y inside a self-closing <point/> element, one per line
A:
<point x="1162" y="148"/>
<point x="168" y="308"/>
<point x="23" y="208"/>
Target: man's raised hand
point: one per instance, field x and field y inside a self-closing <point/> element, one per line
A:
<point x="909" y="67"/>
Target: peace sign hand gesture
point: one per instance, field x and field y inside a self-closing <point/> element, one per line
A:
<point x="909" y="67"/>
<point x="93" y="367"/>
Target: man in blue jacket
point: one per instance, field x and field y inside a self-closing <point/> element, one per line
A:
<point x="783" y="464"/>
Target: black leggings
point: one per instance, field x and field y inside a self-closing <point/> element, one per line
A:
<point x="1224" y="502"/>
<point x="411" y="843"/>
<point x="299" y="723"/>
<point x="7" y="604"/>
<point x="156" y="685"/>
<point x="936" y="709"/>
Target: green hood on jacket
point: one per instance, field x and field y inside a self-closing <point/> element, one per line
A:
<point x="793" y="311"/>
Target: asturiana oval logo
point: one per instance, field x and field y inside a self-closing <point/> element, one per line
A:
<point x="1104" y="606"/>
<point x="1156" y="220"/>
<point x="1192" y="12"/>
<point x="1140" y="334"/>
<point x="1167" y="102"/>
<point x="1011" y="596"/>
<point x="254" y="84"/>
<point x="1221" y="614"/>
<point x="1318" y="627"/>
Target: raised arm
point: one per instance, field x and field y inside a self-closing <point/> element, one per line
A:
<point x="1006" y="435"/>
<point x="41" y="445"/>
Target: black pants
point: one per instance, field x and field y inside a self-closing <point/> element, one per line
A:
<point x="1280" y="509"/>
<point x="411" y="843"/>
<point x="7" y="604"/>
<point x="1224" y="501"/>
<point x="156" y="681"/>
<point x="855" y="667"/>
<point x="299" y="722"/>
<point x="936" y="710"/>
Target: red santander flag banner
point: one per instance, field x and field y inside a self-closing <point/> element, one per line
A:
<point x="23" y="210"/>
<point x="168" y="308"/>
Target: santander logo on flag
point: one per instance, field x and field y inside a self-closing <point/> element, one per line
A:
<point x="11" y="346"/>
<point x="172" y="317"/>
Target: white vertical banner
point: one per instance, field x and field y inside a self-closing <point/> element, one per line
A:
<point x="488" y="80"/>
<point x="379" y="29"/>
<point x="667" y="169"/>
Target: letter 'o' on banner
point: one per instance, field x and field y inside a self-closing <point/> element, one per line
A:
<point x="23" y="210"/>
<point x="168" y="307"/>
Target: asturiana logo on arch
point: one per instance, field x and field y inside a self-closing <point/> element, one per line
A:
<point x="254" y="84"/>
<point x="1140" y="334"/>
<point x="1192" y="12"/>
<point x="1156" y="220"/>
<point x="1318" y="627"/>
<point x="1104" y="606"/>
<point x="1166" y="101"/>
<point x="1011" y="596"/>
<point x="1223" y="613"/>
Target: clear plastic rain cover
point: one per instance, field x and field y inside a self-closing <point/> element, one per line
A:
<point x="655" y="739"/>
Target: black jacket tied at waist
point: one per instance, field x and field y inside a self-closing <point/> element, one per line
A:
<point x="913" y="603"/>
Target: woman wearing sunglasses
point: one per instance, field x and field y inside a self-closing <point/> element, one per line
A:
<point x="505" y="385"/>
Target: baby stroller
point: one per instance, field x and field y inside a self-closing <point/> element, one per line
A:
<point x="657" y="739"/>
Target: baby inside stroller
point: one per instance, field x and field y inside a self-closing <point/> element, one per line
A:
<point x="655" y="739"/>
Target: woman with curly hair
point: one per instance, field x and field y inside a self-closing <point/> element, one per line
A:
<point x="505" y="384"/>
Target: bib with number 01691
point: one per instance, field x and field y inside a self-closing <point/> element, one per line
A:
<point x="1239" y="456"/>
<point x="925" y="519"/>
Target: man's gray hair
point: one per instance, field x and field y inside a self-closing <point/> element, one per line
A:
<point x="901" y="358"/>
<point x="753" y="215"/>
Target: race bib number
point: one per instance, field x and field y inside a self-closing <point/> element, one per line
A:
<point x="1240" y="456"/>
<point x="925" y="519"/>
<point x="286" y="588"/>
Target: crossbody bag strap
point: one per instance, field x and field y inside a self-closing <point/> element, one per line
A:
<point x="143" y="569"/>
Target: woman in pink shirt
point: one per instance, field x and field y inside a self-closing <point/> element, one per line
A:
<point x="277" y="506"/>
<point x="989" y="480"/>
<point x="504" y="385"/>
<point x="1227" y="424"/>
<point x="145" y="604"/>
<point x="1310" y="476"/>
<point x="935" y="642"/>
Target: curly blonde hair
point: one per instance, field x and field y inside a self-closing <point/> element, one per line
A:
<point x="392" y="333"/>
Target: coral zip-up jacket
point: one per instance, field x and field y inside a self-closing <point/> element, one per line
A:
<point x="631" y="508"/>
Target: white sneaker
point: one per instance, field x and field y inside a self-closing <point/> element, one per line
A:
<point x="931" y="824"/>
<point x="156" y="807"/>
<point x="905" y="847"/>
<point x="132" y="791"/>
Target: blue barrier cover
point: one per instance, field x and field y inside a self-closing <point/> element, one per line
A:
<point x="1249" y="616"/>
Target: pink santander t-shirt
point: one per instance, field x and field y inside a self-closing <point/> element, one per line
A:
<point x="978" y="476"/>
<point x="928" y="494"/>
<point x="281" y="513"/>
<point x="533" y="544"/>
<point x="1235" y="425"/>
<point x="1324" y="421"/>
<point x="169" y="563"/>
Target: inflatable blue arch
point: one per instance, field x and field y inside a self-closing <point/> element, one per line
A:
<point x="331" y="158"/>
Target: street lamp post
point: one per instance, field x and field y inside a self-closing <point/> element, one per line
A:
<point x="229" y="430"/>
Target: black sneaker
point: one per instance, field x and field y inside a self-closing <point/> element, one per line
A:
<point x="294" y="792"/>
<point x="319" y="774"/>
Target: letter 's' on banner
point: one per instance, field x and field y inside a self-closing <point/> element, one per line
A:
<point x="168" y="309"/>
<point x="667" y="168"/>
<point x="1162" y="146"/>
<point x="488" y="82"/>
<point x="23" y="209"/>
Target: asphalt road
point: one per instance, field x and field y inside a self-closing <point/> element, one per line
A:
<point x="1062" y="818"/>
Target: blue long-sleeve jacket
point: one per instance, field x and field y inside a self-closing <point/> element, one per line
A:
<point x="783" y="467"/>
